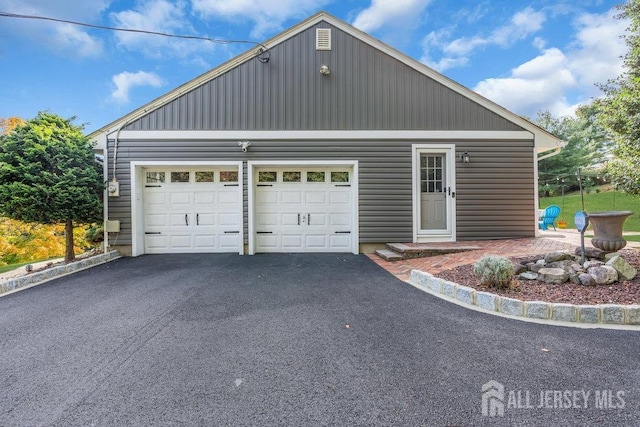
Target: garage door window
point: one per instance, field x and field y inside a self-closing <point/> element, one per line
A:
<point x="180" y="176"/>
<point x="228" y="176"/>
<point x="204" y="176"/>
<point x="315" y="176"/>
<point x="155" y="177"/>
<point x="339" y="176"/>
<point x="265" y="176"/>
<point x="291" y="176"/>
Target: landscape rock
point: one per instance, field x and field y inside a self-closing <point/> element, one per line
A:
<point x="536" y="267"/>
<point x="553" y="275"/>
<point x="565" y="265"/>
<point x="528" y="275"/>
<point x="610" y="255"/>
<point x="590" y="252"/>
<point x="589" y="264"/>
<point x="624" y="269"/>
<point x="574" y="278"/>
<point x="577" y="268"/>
<point x="519" y="268"/>
<point x="541" y="262"/>
<point x="603" y="275"/>
<point x="557" y="256"/>
<point x="586" y="279"/>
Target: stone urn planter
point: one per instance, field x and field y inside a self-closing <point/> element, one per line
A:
<point x="607" y="229"/>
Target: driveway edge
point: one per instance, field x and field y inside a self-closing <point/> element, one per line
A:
<point x="610" y="316"/>
<point x="24" y="282"/>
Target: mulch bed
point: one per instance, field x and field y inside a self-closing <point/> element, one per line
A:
<point x="627" y="292"/>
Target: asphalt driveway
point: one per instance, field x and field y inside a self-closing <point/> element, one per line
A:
<point x="292" y="340"/>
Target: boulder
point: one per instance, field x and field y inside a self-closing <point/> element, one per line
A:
<point x="536" y="267"/>
<point x="610" y="255"/>
<point x="603" y="275"/>
<point x="590" y="252"/>
<point x="553" y="275"/>
<point x="624" y="269"/>
<point x="518" y="268"/>
<point x="574" y="278"/>
<point x="557" y="256"/>
<point x="565" y="264"/>
<point x="577" y="268"/>
<point x="586" y="279"/>
<point x="589" y="264"/>
<point x="528" y="275"/>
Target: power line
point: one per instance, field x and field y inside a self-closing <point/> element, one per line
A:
<point x="128" y="30"/>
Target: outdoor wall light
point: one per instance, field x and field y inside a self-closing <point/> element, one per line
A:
<point x="464" y="157"/>
<point x="324" y="70"/>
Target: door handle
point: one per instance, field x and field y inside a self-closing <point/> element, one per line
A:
<point x="449" y="190"/>
<point x="186" y="219"/>
<point x="308" y="219"/>
<point x="197" y="219"/>
<point x="298" y="219"/>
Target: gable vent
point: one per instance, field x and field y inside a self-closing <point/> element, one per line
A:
<point x="323" y="38"/>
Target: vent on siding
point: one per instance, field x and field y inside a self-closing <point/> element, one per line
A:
<point x="323" y="38"/>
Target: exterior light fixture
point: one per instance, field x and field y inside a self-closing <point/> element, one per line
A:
<point x="464" y="157"/>
<point x="324" y="70"/>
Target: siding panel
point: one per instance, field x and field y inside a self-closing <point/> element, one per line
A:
<point x="367" y="89"/>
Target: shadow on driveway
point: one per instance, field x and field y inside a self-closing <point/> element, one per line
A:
<point x="284" y="339"/>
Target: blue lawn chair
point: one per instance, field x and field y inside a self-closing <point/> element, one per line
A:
<point x="549" y="217"/>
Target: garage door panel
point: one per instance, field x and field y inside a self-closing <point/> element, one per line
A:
<point x="206" y="219"/>
<point x="267" y="197"/>
<point x="291" y="197"/>
<point x="180" y="241"/>
<point x="154" y="199"/>
<point x="340" y="219"/>
<point x="229" y="241"/>
<point x="228" y="220"/>
<point x="270" y="219"/>
<point x="315" y="197"/>
<point x="267" y="241"/>
<point x="340" y="198"/>
<point x="204" y="197"/>
<point x="292" y="241"/>
<point x="340" y="241"/>
<point x="156" y="220"/>
<point x="229" y="198"/>
<point x="316" y="241"/>
<point x="155" y="242"/>
<point x="180" y="198"/>
<point x="179" y="219"/>
<point x="290" y="219"/>
<point x="317" y="219"/>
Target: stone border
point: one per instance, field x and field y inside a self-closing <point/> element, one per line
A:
<point x="29" y="280"/>
<point x="602" y="315"/>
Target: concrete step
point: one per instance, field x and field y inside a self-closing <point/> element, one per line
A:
<point x="388" y="255"/>
<point x="416" y="250"/>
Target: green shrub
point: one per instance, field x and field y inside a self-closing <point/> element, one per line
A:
<point x="495" y="271"/>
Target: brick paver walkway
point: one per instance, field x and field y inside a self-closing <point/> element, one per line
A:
<point x="436" y="264"/>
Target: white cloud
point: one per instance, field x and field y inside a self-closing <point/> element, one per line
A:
<point x="383" y="12"/>
<point x="64" y="39"/>
<point x="126" y="81"/>
<point x="456" y="52"/>
<point x="544" y="82"/>
<point x="158" y="16"/>
<point x="267" y="15"/>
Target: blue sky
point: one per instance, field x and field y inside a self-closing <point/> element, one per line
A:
<point x="527" y="56"/>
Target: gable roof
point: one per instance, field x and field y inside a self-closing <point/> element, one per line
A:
<point x="544" y="141"/>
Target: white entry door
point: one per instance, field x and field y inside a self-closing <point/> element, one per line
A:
<point x="434" y="193"/>
<point x="192" y="210"/>
<point x="303" y="209"/>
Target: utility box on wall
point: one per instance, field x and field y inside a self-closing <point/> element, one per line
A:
<point x="112" y="226"/>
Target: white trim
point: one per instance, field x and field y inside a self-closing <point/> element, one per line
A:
<point x="251" y="165"/>
<point x="182" y="135"/>
<point x="137" y="186"/>
<point x="450" y="234"/>
<point x="536" y="194"/>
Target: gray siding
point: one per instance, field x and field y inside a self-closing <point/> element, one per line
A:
<point x="494" y="191"/>
<point x="366" y="90"/>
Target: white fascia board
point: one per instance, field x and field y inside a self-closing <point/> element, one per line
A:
<point x="178" y="135"/>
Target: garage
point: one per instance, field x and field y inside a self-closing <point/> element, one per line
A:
<point x="304" y="208"/>
<point x="192" y="209"/>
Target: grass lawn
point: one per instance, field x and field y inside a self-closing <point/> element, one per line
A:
<point x="5" y="268"/>
<point x="596" y="202"/>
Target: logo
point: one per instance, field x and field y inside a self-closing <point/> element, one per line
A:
<point x="493" y="399"/>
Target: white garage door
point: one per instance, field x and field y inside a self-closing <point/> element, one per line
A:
<point x="300" y="209"/>
<point x="192" y="210"/>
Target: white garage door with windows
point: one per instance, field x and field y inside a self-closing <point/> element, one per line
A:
<point x="308" y="208"/>
<point x="192" y="210"/>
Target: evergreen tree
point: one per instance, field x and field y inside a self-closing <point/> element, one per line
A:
<point x="48" y="174"/>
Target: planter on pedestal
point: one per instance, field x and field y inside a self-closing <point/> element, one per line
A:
<point x="607" y="229"/>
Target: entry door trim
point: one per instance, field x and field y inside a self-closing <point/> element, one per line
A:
<point x="137" y="202"/>
<point x="251" y="188"/>
<point x="449" y="234"/>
